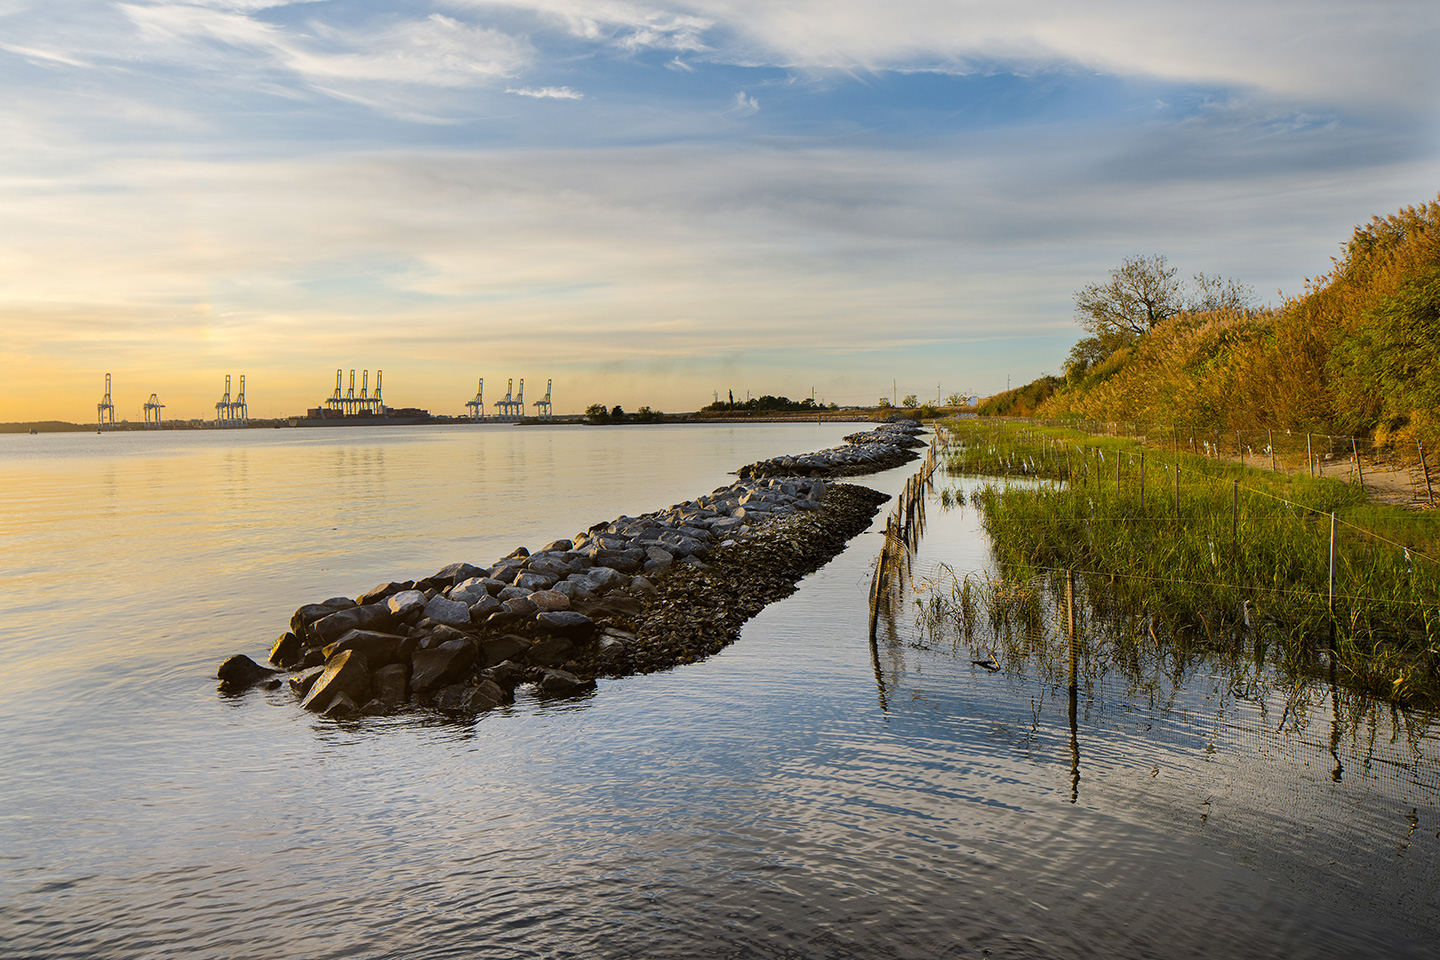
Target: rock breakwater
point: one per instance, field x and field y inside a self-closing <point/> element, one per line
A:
<point x="632" y="595"/>
<point x="888" y="445"/>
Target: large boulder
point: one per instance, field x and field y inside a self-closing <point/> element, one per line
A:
<point x="307" y="614"/>
<point x="482" y="608"/>
<point x="460" y="698"/>
<point x="550" y="651"/>
<point x="445" y="664"/>
<point x="383" y="592"/>
<point x="519" y="606"/>
<point x="536" y="580"/>
<point x="550" y="600"/>
<point x="573" y="626"/>
<point x="347" y="673"/>
<point x="496" y="650"/>
<point x="404" y="603"/>
<point x="372" y="616"/>
<point x="449" y="612"/>
<point x="240" y="672"/>
<point x="560" y="683"/>
<point x="468" y="591"/>
<point x="378" y="648"/>
<point x="301" y="682"/>
<point x="287" y="650"/>
<point x="600" y="578"/>
<point x="456" y="572"/>
<point x="391" y="683"/>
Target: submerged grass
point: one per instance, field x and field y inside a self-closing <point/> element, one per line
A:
<point x="1229" y="560"/>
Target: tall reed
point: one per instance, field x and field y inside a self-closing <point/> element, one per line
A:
<point x="1229" y="558"/>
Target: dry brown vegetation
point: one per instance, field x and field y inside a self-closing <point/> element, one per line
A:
<point x="1357" y="352"/>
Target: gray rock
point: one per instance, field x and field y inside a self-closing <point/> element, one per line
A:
<point x="598" y="579"/>
<point x="345" y="673"/>
<point x="468" y="591"/>
<point x="659" y="554"/>
<point x="557" y="546"/>
<point x="240" y="672"/>
<point x="575" y="589"/>
<point x="519" y="606"/>
<point x="449" y="612"/>
<point x="405" y="602"/>
<point x="641" y="585"/>
<point x="510" y="593"/>
<point x="482" y="608"/>
<point x="535" y="580"/>
<point x="456" y="572"/>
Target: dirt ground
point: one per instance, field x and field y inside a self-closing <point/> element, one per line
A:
<point x="1386" y="481"/>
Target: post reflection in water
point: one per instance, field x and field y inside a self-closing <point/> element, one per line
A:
<point x="1174" y="735"/>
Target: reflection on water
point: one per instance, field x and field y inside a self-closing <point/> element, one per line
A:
<point x="762" y="803"/>
<point x="1334" y="792"/>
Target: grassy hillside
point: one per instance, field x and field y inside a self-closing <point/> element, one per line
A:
<point x="1357" y="352"/>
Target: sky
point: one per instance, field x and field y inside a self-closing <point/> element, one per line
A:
<point x="655" y="203"/>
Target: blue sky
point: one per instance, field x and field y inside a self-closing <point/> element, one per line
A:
<point x="653" y="201"/>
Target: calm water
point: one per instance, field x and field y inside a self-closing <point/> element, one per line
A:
<point x="791" y="797"/>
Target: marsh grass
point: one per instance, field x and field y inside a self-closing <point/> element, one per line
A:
<point x="1234" y="562"/>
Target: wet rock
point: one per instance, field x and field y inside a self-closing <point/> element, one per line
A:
<point x="444" y="664"/>
<point x="375" y="708"/>
<point x="574" y="590"/>
<point x="326" y="630"/>
<point x="287" y="650"/>
<point x="240" y="672"/>
<point x="566" y="623"/>
<point x="599" y="579"/>
<point x="345" y="673"/>
<point x="377" y="648"/>
<point x="561" y="683"/>
<point x="507" y="674"/>
<point x="391" y="683"/>
<point x="449" y="612"/>
<point x="550" y="651"/>
<point x="496" y="650"/>
<point x="301" y="682"/>
<point x="383" y="592"/>
<point x="341" y="707"/>
<point x="302" y="618"/>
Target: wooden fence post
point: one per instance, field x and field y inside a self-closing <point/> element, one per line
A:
<point x="1429" y="493"/>
<point x="1309" y="457"/>
<point x="1359" y="471"/>
<point x="1235" y="510"/>
<point x="1270" y="435"/>
<point x="1142" y="481"/>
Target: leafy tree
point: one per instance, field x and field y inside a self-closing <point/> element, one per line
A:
<point x="616" y="413"/>
<point x="1143" y="292"/>
<point x="955" y="400"/>
<point x="910" y="402"/>
<point x="884" y="403"/>
<point x="597" y="412"/>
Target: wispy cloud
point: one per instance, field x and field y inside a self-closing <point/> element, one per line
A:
<point x="547" y="93"/>
<point x="745" y="105"/>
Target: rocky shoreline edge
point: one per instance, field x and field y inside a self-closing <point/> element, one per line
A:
<point x="635" y="595"/>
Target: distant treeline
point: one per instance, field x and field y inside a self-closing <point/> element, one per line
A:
<point x="1358" y="352"/>
<point x="765" y="404"/>
<point x="45" y="426"/>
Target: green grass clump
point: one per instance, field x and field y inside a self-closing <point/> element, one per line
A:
<point x="1239" y="559"/>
